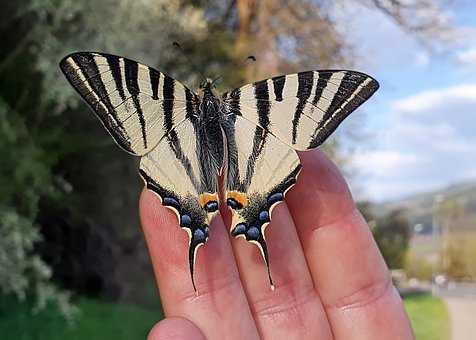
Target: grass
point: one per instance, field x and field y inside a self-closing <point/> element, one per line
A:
<point x="429" y="317"/>
<point x="98" y="320"/>
<point x="104" y="320"/>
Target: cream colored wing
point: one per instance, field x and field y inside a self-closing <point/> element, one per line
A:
<point x="184" y="174"/>
<point x="130" y="99"/>
<point x="152" y="115"/>
<point x="286" y="113"/>
<point x="304" y="108"/>
<point x="261" y="169"/>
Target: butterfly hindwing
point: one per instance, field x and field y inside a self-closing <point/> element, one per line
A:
<point x="129" y="98"/>
<point x="261" y="169"/>
<point x="184" y="174"/>
<point x="304" y="108"/>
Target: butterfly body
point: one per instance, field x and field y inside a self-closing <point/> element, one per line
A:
<point x="187" y="141"/>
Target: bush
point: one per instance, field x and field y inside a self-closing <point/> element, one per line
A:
<point x="458" y="256"/>
<point x="418" y="267"/>
<point x="25" y="175"/>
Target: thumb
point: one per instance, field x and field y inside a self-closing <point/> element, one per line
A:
<point x="175" y="329"/>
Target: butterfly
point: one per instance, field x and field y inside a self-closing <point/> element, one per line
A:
<point x="188" y="140"/>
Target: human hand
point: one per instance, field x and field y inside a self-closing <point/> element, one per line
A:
<point x="331" y="280"/>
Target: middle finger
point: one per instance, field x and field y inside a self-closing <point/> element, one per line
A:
<point x="293" y="310"/>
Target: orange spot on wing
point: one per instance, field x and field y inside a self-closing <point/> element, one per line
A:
<point x="206" y="197"/>
<point x="240" y="197"/>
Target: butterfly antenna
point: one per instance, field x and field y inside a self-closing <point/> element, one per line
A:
<point x="194" y="66"/>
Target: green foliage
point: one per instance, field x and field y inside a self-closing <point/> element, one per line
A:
<point x="25" y="175"/>
<point x="17" y="237"/>
<point x="429" y="317"/>
<point x="418" y="267"/>
<point x="97" y="320"/>
<point x="25" y="170"/>
<point x="392" y="234"/>
<point x="49" y="183"/>
<point x="458" y="256"/>
<point x="40" y="138"/>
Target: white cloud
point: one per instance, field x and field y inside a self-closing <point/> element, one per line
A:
<point x="383" y="162"/>
<point x="427" y="100"/>
<point x="467" y="57"/>
<point x="422" y="59"/>
<point x="429" y="142"/>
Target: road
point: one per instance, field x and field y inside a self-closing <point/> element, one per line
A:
<point x="461" y="301"/>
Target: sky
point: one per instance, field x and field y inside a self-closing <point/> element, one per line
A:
<point x="419" y="128"/>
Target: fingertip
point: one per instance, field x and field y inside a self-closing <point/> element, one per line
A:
<point x="321" y="192"/>
<point x="149" y="204"/>
<point x="316" y="164"/>
<point x="175" y="328"/>
<point x="155" y="217"/>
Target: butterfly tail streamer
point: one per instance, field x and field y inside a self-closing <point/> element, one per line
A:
<point x="256" y="236"/>
<point x="198" y="238"/>
<point x="264" y="250"/>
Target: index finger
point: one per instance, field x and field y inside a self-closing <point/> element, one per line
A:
<point x="348" y="270"/>
<point x="220" y="306"/>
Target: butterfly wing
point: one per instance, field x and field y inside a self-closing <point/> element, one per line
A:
<point x="286" y="113"/>
<point x="129" y="98"/>
<point x="183" y="172"/>
<point x="261" y="169"/>
<point x="306" y="107"/>
<point x="149" y="114"/>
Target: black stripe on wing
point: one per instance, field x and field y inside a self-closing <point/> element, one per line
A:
<point x="261" y="131"/>
<point x="305" y="83"/>
<point x="131" y="73"/>
<point x="170" y="133"/>
<point x="278" y="84"/>
<point x="323" y="78"/>
<point x="154" y="83"/>
<point x="113" y="62"/>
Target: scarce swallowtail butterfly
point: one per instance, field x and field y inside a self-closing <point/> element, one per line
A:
<point x="187" y="139"/>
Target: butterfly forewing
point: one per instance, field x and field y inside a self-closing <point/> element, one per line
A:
<point x="306" y="107"/>
<point x="128" y="97"/>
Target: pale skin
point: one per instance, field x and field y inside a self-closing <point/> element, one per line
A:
<point x="331" y="280"/>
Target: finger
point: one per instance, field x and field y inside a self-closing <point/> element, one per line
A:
<point x="175" y="329"/>
<point x="293" y="310"/>
<point x="220" y="308"/>
<point x="347" y="268"/>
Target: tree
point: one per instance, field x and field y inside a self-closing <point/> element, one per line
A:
<point x="54" y="153"/>
<point x="42" y="137"/>
<point x="392" y="233"/>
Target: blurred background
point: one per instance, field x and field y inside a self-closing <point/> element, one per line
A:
<point x="73" y="262"/>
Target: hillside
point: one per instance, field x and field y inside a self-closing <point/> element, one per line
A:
<point x="455" y="206"/>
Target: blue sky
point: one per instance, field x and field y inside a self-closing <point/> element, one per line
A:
<point x="418" y="131"/>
